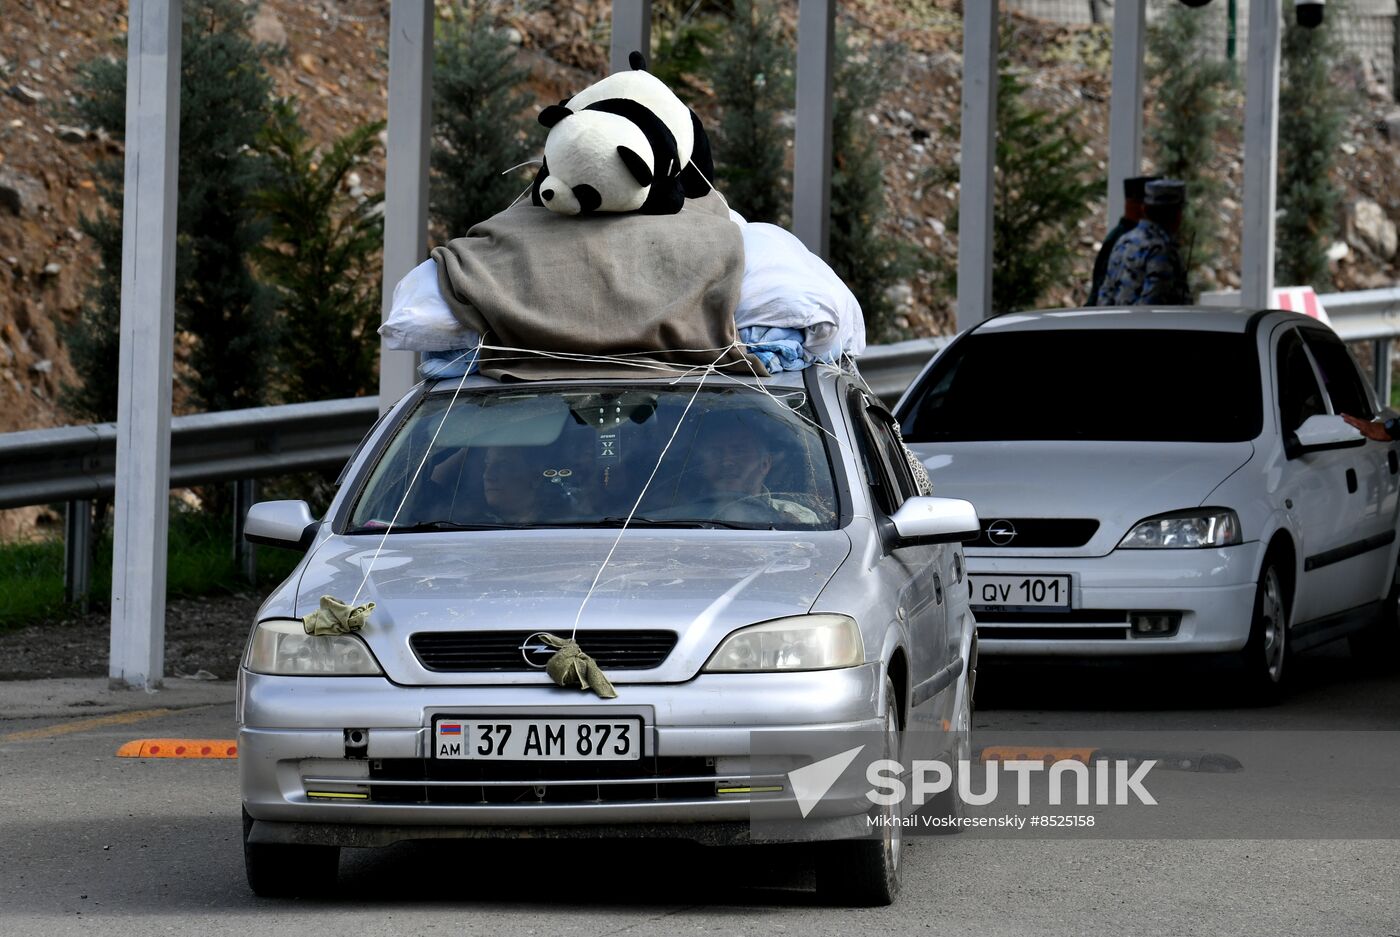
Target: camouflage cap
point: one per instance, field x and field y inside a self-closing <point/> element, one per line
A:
<point x="1166" y="192"/>
<point x="1135" y="187"/>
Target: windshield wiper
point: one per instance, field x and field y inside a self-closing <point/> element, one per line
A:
<point x="680" y="523"/>
<point x="429" y="526"/>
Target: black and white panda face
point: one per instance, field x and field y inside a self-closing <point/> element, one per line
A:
<point x="596" y="162"/>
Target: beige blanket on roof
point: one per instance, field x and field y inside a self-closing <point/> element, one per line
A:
<point x="662" y="285"/>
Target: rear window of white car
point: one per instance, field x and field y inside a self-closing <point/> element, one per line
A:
<point x="590" y="456"/>
<point x="1109" y="384"/>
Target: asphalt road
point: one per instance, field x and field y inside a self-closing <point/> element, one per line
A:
<point x="92" y="843"/>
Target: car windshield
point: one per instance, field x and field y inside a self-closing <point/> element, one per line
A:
<point x="1100" y="384"/>
<point x="590" y="456"/>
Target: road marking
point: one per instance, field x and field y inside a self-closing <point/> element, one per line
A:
<point x="179" y="748"/>
<point x="82" y="725"/>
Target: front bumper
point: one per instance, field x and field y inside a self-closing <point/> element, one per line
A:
<point x="295" y="767"/>
<point x="1212" y="590"/>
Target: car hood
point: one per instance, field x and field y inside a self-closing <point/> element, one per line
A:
<point x="1115" y="483"/>
<point x="701" y="584"/>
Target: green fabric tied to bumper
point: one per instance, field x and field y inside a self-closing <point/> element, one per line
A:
<point x="571" y="667"/>
<point x="336" y="617"/>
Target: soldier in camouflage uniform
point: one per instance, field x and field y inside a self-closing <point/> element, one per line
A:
<point x="1134" y="208"/>
<point x="1145" y="268"/>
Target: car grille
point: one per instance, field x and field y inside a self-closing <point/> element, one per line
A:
<point x="1038" y="532"/>
<point x="1091" y="624"/>
<point x="434" y="781"/>
<point x="476" y="651"/>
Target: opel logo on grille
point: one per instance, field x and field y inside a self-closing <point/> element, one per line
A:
<point x="536" y="652"/>
<point x="1001" y="532"/>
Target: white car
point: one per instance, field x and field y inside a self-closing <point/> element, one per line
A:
<point x="1164" y="481"/>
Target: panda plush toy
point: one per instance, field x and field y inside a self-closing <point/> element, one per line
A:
<point x="625" y="143"/>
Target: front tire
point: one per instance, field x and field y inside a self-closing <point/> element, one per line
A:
<point x="865" y="873"/>
<point x="277" y="870"/>
<point x="1265" y="656"/>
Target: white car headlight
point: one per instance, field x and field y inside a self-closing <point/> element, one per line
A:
<point x="284" y="648"/>
<point x="1211" y="527"/>
<point x="807" y="642"/>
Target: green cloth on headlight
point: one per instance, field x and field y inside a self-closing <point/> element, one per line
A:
<point x="571" y="667"/>
<point x="336" y="617"/>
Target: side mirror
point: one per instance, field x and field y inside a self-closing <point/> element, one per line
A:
<point x="1321" y="432"/>
<point x="286" y="524"/>
<point x="936" y="520"/>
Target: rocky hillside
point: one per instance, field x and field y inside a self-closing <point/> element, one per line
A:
<point x="335" y="66"/>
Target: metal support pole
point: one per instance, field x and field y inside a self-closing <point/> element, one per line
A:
<point x="1395" y="54"/>
<point x="245" y="556"/>
<point x="147" y="343"/>
<point x="1125" y="101"/>
<point x="77" y="553"/>
<point x="631" y="32"/>
<point x="811" y="170"/>
<point x="978" y="162"/>
<point x="1260" y="152"/>
<point x="1232" y="28"/>
<point x="406" y="175"/>
<point x="1380" y="369"/>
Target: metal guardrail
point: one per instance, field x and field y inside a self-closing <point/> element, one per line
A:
<point x="889" y="369"/>
<point x="77" y="464"/>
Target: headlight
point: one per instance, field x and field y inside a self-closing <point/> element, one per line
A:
<point x="284" y="647"/>
<point x="808" y="642"/>
<point x="1212" y="527"/>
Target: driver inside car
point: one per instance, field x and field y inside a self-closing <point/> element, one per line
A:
<point x="731" y="461"/>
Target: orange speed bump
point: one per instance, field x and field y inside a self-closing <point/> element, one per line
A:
<point x="179" y="748"/>
<point x="1047" y="754"/>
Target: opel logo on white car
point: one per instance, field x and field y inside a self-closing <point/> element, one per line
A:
<point x="1000" y="533"/>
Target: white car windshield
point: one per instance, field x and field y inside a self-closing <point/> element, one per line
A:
<point x="591" y="456"/>
<point x="1169" y="385"/>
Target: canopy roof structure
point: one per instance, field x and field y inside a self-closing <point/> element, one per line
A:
<point x="151" y="174"/>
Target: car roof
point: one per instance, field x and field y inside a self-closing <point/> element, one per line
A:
<point x="1184" y="318"/>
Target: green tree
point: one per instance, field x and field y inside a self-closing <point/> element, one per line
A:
<point x="225" y="99"/>
<point x="1312" y="117"/>
<point x="321" y="258"/>
<point x="751" y="74"/>
<point x="861" y="254"/>
<point x="685" y="34"/>
<point x="1044" y="185"/>
<point x="93" y="339"/>
<point x="1190" y="111"/>
<point x="479" y="132"/>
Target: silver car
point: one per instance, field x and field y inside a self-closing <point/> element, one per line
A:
<point x="735" y="555"/>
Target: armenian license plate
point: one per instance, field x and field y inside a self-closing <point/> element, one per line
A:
<point x="1003" y="592"/>
<point x="611" y="738"/>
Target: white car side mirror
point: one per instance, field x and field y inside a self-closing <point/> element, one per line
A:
<point x="1321" y="431"/>
<point x="936" y="520"/>
<point x="286" y="524"/>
